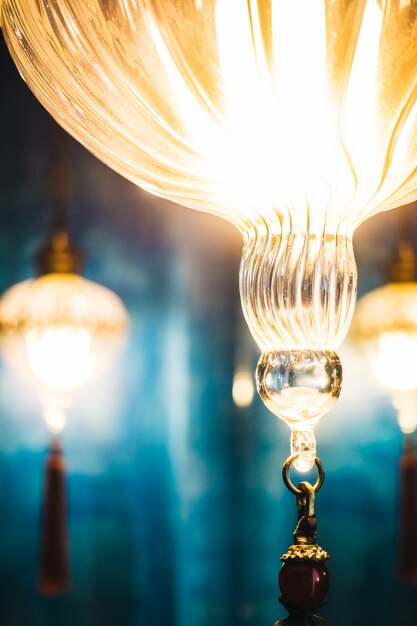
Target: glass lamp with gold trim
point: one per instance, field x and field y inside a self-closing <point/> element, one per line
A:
<point x="296" y="120"/>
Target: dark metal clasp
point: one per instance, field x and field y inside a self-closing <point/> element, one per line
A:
<point x="306" y="530"/>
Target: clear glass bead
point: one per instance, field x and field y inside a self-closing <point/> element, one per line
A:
<point x="299" y="386"/>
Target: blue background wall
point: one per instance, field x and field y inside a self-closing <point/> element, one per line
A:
<point x="178" y="515"/>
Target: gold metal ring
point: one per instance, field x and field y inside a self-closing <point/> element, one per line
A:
<point x="288" y="482"/>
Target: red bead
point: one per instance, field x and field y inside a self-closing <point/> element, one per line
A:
<point x="304" y="583"/>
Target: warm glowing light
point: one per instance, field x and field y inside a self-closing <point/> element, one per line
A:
<point x="60" y="357"/>
<point x="407" y="418"/>
<point x="285" y="108"/>
<point x="385" y="327"/>
<point x="294" y="119"/>
<point x="243" y="388"/>
<point x="60" y="330"/>
<point x="55" y="419"/>
<point x="394" y="360"/>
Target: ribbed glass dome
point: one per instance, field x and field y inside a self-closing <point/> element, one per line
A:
<point x="275" y="110"/>
<point x="294" y="119"/>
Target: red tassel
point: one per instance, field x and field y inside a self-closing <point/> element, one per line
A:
<point x="54" y="569"/>
<point x="408" y="513"/>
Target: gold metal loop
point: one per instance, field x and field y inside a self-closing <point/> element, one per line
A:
<point x="288" y="482"/>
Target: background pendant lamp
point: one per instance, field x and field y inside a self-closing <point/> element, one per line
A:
<point x="59" y="330"/>
<point x="294" y="119"/>
<point x="385" y="329"/>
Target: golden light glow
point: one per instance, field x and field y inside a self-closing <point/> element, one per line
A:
<point x="294" y="119"/>
<point x="61" y="357"/>
<point x="283" y="109"/>
<point x="394" y="361"/>
<point x="55" y="419"/>
<point x="243" y="388"/>
<point x="60" y="330"/>
<point x="385" y="328"/>
<point x="406" y="407"/>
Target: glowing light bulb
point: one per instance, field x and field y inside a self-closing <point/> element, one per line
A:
<point x="294" y="119"/>
<point x="60" y="330"/>
<point x="60" y="357"/>
<point x="391" y="347"/>
<point x="385" y="326"/>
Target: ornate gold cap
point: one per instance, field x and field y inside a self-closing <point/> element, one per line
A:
<point x="305" y="552"/>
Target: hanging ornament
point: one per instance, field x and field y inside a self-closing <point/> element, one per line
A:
<point x="293" y="119"/>
<point x="59" y="330"/>
<point x="54" y="563"/>
<point x="304" y="578"/>
<point x="385" y="328"/>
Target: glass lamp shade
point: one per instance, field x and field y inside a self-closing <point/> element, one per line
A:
<point x="294" y="119"/>
<point x="385" y="327"/>
<point x="61" y="331"/>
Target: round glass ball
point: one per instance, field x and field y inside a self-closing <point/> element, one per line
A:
<point x="299" y="386"/>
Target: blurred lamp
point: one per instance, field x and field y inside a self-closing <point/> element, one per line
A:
<point x="385" y="325"/>
<point x="385" y="329"/>
<point x="294" y="119"/>
<point x="59" y="331"/>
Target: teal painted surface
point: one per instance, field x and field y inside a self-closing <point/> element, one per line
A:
<point x="178" y="515"/>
